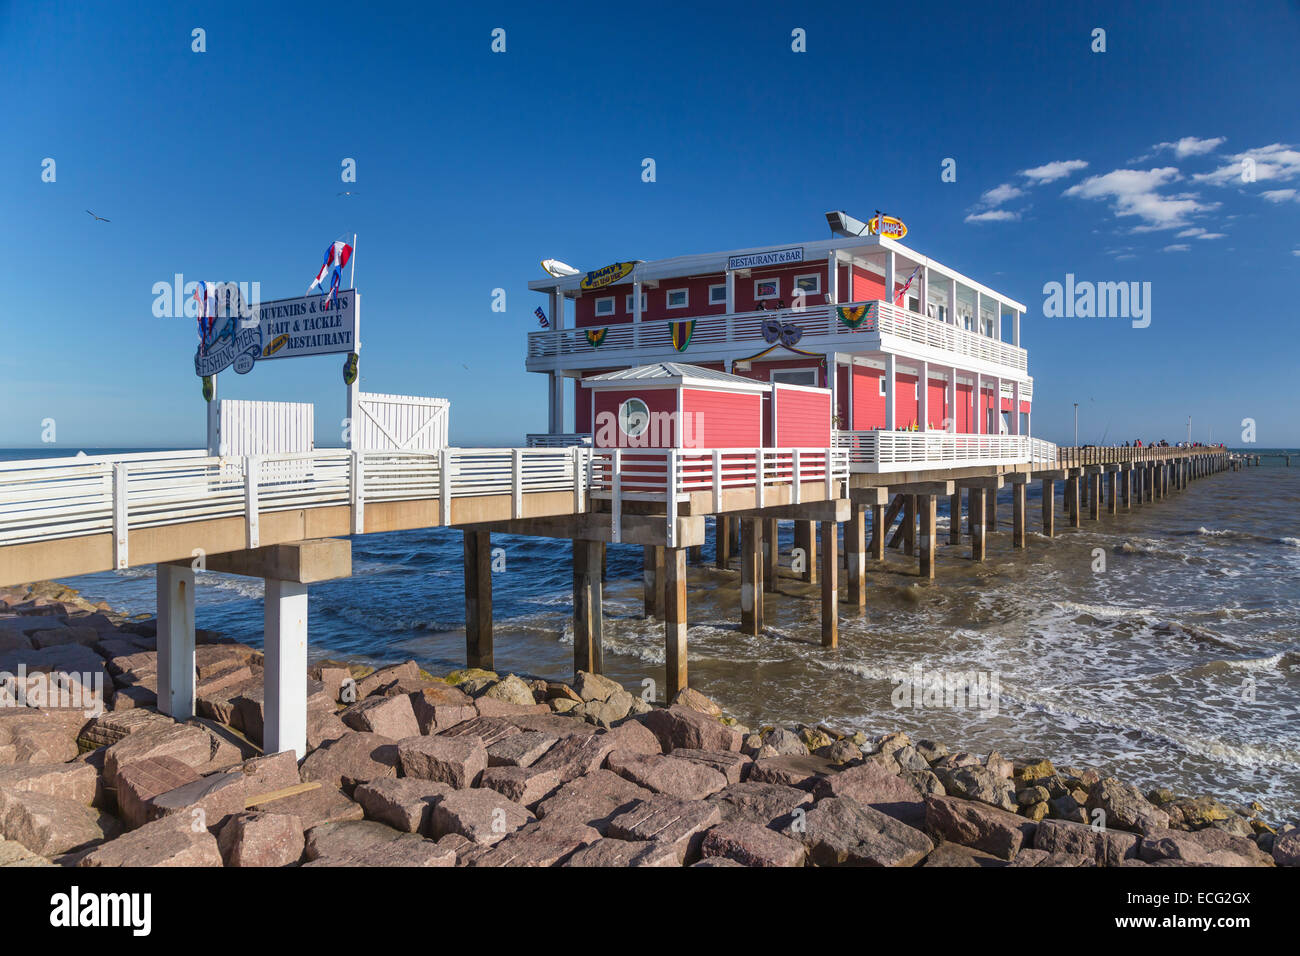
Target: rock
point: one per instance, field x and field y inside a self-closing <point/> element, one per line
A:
<point x="592" y="800"/>
<point x="139" y="782"/>
<point x="978" y="826"/>
<point x="605" y="713"/>
<point x="840" y="752"/>
<point x="208" y="801"/>
<point x="1031" y="795"/>
<point x="633" y="737"/>
<point x="261" y="839"/>
<point x="678" y="726"/>
<point x="1124" y="807"/>
<point x="325" y="804"/>
<point x="38" y="736"/>
<point x="767" y="804"/>
<point x="677" y="824"/>
<point x="387" y="716"/>
<point x="804" y="772"/>
<point x="50" y="825"/>
<point x="438" y="707"/>
<point x="458" y="761"/>
<point x="1209" y="846"/>
<point x="625" y="853"/>
<point x="874" y="787"/>
<point x="407" y="851"/>
<point x="908" y="759"/>
<point x="481" y="816"/>
<point x="538" y="844"/>
<point x="575" y="756"/>
<point x="685" y="779"/>
<point x="733" y="766"/>
<point x="981" y="784"/>
<point x="1286" y="848"/>
<point x="591" y="687"/>
<point x="999" y="765"/>
<point x="511" y="690"/>
<point x="520" y="750"/>
<point x="955" y="761"/>
<point x="840" y="831"/>
<point x="404" y="803"/>
<point x="954" y="854"/>
<point x="814" y="738"/>
<point x="693" y="699"/>
<point x="377" y="680"/>
<point x="523" y="785"/>
<point x="1032" y="771"/>
<point x="930" y="750"/>
<point x="191" y="745"/>
<point x="752" y="844"/>
<point x="323" y="728"/>
<point x="926" y="781"/>
<point x="785" y="742"/>
<point x="487" y="730"/>
<point x="354" y="758"/>
<point x="76" y="781"/>
<point x="1104" y="847"/>
<point x="272" y="772"/>
<point x="13" y="853"/>
<point x="167" y="842"/>
<point x="347" y="840"/>
<point x="888" y="743"/>
<point x="1195" y="813"/>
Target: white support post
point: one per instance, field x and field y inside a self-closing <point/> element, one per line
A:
<point x="758" y="478"/>
<point x="636" y="313"/>
<point x="616" y="496"/>
<point x="214" y="422"/>
<point x="979" y="312"/>
<point x="671" y="536"/>
<point x="923" y="397"/>
<point x="252" y="474"/>
<point x="358" y="495"/>
<point x="552" y="423"/>
<point x="285" y="677"/>
<point x="952" y="400"/>
<point x="952" y="301"/>
<point x="444" y="486"/>
<point x="997" y="405"/>
<point x="121" y="524"/>
<point x="731" y="292"/>
<point x="833" y="277"/>
<point x="576" y="462"/>
<point x="175" y="589"/>
<point x="1015" y="407"/>
<point x="717" y="480"/>
<point x="976" y="405"/>
<point x="997" y="319"/>
<point x="516" y="483"/>
<point x="1015" y="329"/>
<point x="890" y="381"/>
<point x="796" y="478"/>
<point x="889" y="276"/>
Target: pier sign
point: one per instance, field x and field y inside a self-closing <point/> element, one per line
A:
<point x="283" y="328"/>
<point x="887" y="226"/>
<point x="610" y="274"/>
<point x="776" y="257"/>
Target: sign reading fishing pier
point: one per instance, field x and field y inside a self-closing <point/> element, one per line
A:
<point x="284" y="328"/>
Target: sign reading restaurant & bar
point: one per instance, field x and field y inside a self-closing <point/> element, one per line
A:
<point x="776" y="257"/>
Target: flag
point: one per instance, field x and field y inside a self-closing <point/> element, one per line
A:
<point x="906" y="285"/>
<point x="336" y="256"/>
<point x="541" y="318"/>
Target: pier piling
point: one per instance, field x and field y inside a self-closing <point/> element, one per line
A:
<point x="588" y="623"/>
<point x="751" y="576"/>
<point x="1019" y="501"/>
<point x="675" y="621"/>
<point x="478" y="600"/>
<point x="928" y="506"/>
<point x="855" y="548"/>
<point x="830" y="584"/>
<point x="175" y="589"/>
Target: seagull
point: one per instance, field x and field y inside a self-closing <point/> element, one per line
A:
<point x="100" y="218"/>
<point x="347" y="193"/>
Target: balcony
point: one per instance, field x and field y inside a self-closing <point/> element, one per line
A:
<point x="720" y="337"/>
<point x="878" y="451"/>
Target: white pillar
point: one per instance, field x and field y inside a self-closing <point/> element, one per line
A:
<point x="557" y="309"/>
<point x="979" y="312"/>
<point x="890" y="384"/>
<point x="731" y="292"/>
<point x="977" y="405"/>
<point x="636" y="313"/>
<point x="1015" y="407"/>
<point x="923" y="397"/>
<point x="285" y="677"/>
<point x="997" y="405"/>
<point x="952" y="301"/>
<point x="923" y="293"/>
<point x="833" y="276"/>
<point x="175" y="585"/>
<point x="557" y="403"/>
<point x="952" y="399"/>
<point x="1015" y="329"/>
<point x="997" y="319"/>
<point x="214" y="422"/>
<point x="833" y="382"/>
<point x="889" y="276"/>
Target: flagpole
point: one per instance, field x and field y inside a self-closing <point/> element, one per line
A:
<point x="353" y="281"/>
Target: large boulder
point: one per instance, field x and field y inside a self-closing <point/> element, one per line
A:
<point x="977" y="825"/>
<point x="167" y="842"/>
<point x="192" y="745"/>
<point x="677" y="824"/>
<point x="679" y="726"/>
<point x="78" y="780"/>
<point x="520" y="750"/>
<point x="524" y="785"/>
<point x="1124" y="807"/>
<point x="1105" y="847"/>
<point x="839" y="831"/>
<point x="1210" y="846"/>
<point x="543" y="843"/>
<point x="767" y="804"/>
<point x="805" y="772"/>
<point x="439" y="706"/>
<point x="324" y="804"/>
<point x="981" y="784"/>
<point x="589" y="686"/>
<point x="50" y="825"/>
<point x="261" y="839"/>
<point x="142" y="780"/>
<point x="456" y="761"/>
<point x="671" y="775"/>
<point x="388" y="716"/>
<point x="511" y="690"/>
<point x="752" y="844"/>
<point x="481" y="816"/>
<point x="592" y="800"/>
<point x="873" y="786"/>
<point x="352" y="759"/>
<point x="1286" y="848"/>
<point x="611" y="853"/>
<point x="403" y="803"/>
<point x="575" y="756"/>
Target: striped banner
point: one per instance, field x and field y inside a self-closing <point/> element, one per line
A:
<point x="596" y="336"/>
<point x="682" y="332"/>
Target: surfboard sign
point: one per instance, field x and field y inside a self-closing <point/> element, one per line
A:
<point x="892" y="229"/>
<point x="558" y="269"/>
<point x="608" y="275"/>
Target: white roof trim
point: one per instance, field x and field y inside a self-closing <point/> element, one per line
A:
<point x="675" y="373"/>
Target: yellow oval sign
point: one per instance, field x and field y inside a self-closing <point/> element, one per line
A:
<point x="277" y="343"/>
<point x="893" y="228"/>
<point x="608" y="275"/>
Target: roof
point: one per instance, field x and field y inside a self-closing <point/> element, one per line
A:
<point x="677" y="373"/>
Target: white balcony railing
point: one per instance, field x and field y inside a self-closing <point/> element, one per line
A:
<point x="819" y="323"/>
<point x="885" y="451"/>
<point x="557" y="439"/>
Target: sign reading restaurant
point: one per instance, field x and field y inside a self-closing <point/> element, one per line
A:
<point x="776" y="257"/>
<point x="285" y="328"/>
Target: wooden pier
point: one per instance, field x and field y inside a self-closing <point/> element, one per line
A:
<point x="285" y="518"/>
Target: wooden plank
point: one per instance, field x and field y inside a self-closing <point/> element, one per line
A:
<point x="675" y="622"/>
<point x="271" y="796"/>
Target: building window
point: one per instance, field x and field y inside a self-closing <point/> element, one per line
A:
<point x="628" y="303"/>
<point x="718" y="294"/>
<point x="882" y="385"/>
<point x="795" y="376"/>
<point x="810" y="284"/>
<point x="766" y="289"/>
<point x="605" y="306"/>
<point x="678" y="298"/>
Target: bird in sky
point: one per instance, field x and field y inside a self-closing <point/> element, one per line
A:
<point x="347" y="192"/>
<point x="99" y="218"/>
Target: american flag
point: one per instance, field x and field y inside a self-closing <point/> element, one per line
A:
<point x="542" y="320"/>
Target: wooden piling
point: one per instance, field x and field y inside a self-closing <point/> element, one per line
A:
<point x="805" y="537"/>
<point x="855" y="548"/>
<point x="954" y="517"/>
<point x="877" y="532"/>
<point x="675" y="621"/>
<point x="929" y="537"/>
<point x="1019" y="500"/>
<point x="722" y="542"/>
<point x="1112" y="504"/>
<point x="751" y="576"/>
<point x="588" y="653"/>
<point x="1072" y="506"/>
<point x="991" y="511"/>
<point x="1049" y="507"/>
<point x="771" y="554"/>
<point x="978" y="541"/>
<point x="1094" y="495"/>
<point x="909" y="525"/>
<point x="478" y="600"/>
<point x="830" y="584"/>
<point x="653" y="579"/>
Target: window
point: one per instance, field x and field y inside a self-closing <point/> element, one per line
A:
<point x="795" y="376"/>
<point x="766" y="289"/>
<point x="718" y="294"/>
<point x="882" y="384"/>
<point x="628" y="305"/>
<point x="810" y="284"/>
<point x="605" y="306"/>
<point x="678" y="298"/>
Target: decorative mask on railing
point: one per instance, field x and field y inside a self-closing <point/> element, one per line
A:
<point x="785" y="333"/>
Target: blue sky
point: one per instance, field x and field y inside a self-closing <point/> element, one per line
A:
<point x="472" y="166"/>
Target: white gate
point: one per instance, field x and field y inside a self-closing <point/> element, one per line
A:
<point x="400" y="422"/>
<point x="264" y="428"/>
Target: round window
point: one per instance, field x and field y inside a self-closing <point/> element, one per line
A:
<point x="633" y="417"/>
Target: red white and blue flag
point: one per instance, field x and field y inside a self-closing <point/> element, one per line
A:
<point x="542" y="320"/>
<point x="336" y="257"/>
<point x="906" y="285"/>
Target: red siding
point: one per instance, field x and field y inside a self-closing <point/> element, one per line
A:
<point x="964" y="424"/>
<point x="660" y="401"/>
<point x="937" y="411"/>
<point x="802" y="418"/>
<point x="906" y="407"/>
<point x="725" y="419"/>
<point x="868" y="403"/>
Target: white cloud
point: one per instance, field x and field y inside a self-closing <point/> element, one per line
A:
<point x="1191" y="146"/>
<point x="1212" y="235"/>
<point x="1295" y="252"/>
<point x="1279" y="195"/>
<point x="1051" y="172"/>
<point x="1177" y="247"/>
<point x="1001" y="194"/>
<point x="1277" y="161"/>
<point x="1190" y="233"/>
<point x="1133" y="192"/>
<point x="994" y="215"/>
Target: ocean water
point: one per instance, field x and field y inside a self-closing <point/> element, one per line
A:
<point x="1178" y="664"/>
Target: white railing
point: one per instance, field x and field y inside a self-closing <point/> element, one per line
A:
<point x="817" y="322"/>
<point x="883" y="451"/>
<point x="557" y="440"/>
